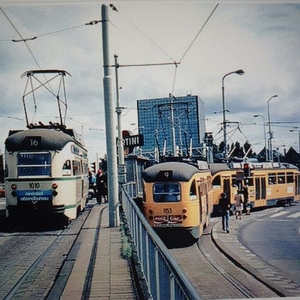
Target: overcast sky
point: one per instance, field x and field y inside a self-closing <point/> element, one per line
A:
<point x="260" y="37"/>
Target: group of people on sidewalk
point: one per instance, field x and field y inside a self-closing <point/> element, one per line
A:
<point x="98" y="183"/>
<point x="240" y="198"/>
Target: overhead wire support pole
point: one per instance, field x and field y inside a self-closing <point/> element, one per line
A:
<point x="270" y="130"/>
<point x="173" y="127"/>
<point x="119" y="108"/>
<point x="112" y="174"/>
<point x="119" y="112"/>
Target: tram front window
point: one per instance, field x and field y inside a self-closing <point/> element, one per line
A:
<point x="166" y="192"/>
<point x="34" y="164"/>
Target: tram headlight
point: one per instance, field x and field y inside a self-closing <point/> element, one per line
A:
<point x="184" y="217"/>
<point x="13" y="186"/>
<point x="184" y="210"/>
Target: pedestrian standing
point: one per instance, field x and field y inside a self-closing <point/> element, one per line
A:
<point x="92" y="182"/>
<point x="224" y="205"/>
<point x="238" y="198"/>
<point x="246" y="196"/>
<point x="101" y="182"/>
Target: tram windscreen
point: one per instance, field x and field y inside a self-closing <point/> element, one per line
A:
<point x="34" y="164"/>
<point x="166" y="192"/>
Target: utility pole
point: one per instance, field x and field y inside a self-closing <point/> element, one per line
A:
<point x="119" y="112"/>
<point x="172" y="125"/>
<point x="121" y="163"/>
<point x="112" y="173"/>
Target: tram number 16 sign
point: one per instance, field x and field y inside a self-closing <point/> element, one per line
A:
<point x="32" y="142"/>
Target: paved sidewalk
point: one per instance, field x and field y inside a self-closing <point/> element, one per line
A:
<point x="109" y="276"/>
<point x="229" y="244"/>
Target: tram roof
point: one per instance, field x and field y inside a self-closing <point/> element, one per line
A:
<point x="177" y="171"/>
<point x="218" y="167"/>
<point x="48" y="139"/>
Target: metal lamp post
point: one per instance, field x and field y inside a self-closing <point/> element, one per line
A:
<point x="270" y="131"/>
<point x="265" y="136"/>
<point x="239" y="72"/>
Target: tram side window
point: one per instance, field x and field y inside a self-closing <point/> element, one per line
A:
<point x="281" y="177"/>
<point x="166" y="192"/>
<point x="217" y="181"/>
<point x="233" y="180"/>
<point x="85" y="168"/>
<point x="193" y="193"/>
<point x="34" y="164"/>
<point x="76" y="167"/>
<point x="66" y="171"/>
<point x="289" y="177"/>
<point x="272" y="178"/>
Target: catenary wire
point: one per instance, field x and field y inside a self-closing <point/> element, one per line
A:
<point x="20" y="35"/>
<point x="189" y="47"/>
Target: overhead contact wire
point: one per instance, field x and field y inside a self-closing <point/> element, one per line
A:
<point x="22" y="39"/>
<point x="189" y="47"/>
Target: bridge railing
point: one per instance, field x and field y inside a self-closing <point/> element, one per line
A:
<point x="164" y="278"/>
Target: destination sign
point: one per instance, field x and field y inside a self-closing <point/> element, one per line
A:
<point x="34" y="195"/>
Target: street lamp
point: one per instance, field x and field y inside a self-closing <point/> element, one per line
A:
<point x="292" y="130"/>
<point x="270" y="132"/>
<point x="264" y="124"/>
<point x="239" y="72"/>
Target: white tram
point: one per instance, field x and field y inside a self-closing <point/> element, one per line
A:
<point x="47" y="173"/>
<point x="47" y="165"/>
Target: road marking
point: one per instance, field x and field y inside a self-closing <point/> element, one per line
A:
<point x="295" y="215"/>
<point x="279" y="214"/>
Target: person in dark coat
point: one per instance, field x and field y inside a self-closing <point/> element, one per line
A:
<point x="101" y="182"/>
<point x="224" y="205"/>
<point x="246" y="196"/>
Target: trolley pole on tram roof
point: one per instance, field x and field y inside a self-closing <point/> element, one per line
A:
<point x="112" y="173"/>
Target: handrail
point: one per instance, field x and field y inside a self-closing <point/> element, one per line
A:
<point x="157" y="264"/>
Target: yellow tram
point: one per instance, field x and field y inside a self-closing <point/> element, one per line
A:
<point x="178" y="198"/>
<point x="268" y="184"/>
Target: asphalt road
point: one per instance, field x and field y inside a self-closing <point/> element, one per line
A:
<point x="274" y="236"/>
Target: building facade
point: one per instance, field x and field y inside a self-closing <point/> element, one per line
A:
<point x="172" y="125"/>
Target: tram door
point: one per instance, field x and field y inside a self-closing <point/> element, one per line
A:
<point x="260" y="190"/>
<point x="297" y="187"/>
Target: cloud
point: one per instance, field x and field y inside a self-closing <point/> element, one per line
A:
<point x="261" y="38"/>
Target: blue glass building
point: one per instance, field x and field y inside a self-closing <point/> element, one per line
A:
<point x="172" y="124"/>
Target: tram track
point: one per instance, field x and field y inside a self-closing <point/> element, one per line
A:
<point x="220" y="269"/>
<point x="214" y="276"/>
<point x="31" y="261"/>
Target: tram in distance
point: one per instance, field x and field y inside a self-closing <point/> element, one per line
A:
<point x="47" y="173"/>
<point x="268" y="183"/>
<point x="178" y="198"/>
